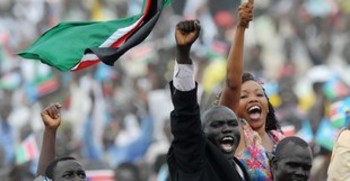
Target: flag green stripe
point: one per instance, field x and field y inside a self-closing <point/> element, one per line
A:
<point x="64" y="45"/>
<point x="21" y="156"/>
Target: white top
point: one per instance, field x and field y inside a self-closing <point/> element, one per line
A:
<point x="183" y="78"/>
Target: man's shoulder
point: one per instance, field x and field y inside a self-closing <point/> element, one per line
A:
<point x="41" y="178"/>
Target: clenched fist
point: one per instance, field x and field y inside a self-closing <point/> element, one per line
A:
<point x="246" y="14"/>
<point x="186" y="34"/>
<point x="51" y="116"/>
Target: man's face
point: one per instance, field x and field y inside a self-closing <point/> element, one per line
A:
<point x="221" y="128"/>
<point x="294" y="164"/>
<point x="69" y="170"/>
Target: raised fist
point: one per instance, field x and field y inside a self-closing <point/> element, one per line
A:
<point x="187" y="32"/>
<point x="51" y="116"/>
<point x="246" y="13"/>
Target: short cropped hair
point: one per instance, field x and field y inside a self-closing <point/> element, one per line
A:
<point x="292" y="139"/>
<point x="50" y="169"/>
<point x="206" y="115"/>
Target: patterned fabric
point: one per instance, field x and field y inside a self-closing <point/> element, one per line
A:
<point x="255" y="156"/>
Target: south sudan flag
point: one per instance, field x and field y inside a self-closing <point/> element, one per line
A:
<point x="71" y="46"/>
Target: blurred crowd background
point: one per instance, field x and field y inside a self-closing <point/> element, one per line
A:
<point x="115" y="120"/>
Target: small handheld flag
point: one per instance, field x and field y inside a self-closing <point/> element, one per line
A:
<point x="339" y="112"/>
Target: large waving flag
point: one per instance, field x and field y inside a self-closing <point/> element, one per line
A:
<point x="73" y="46"/>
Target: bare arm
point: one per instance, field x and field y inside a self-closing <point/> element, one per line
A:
<point x="232" y="86"/>
<point x="186" y="33"/>
<point x="51" y="119"/>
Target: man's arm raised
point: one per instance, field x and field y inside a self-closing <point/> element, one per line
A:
<point x="52" y="119"/>
<point x="187" y="144"/>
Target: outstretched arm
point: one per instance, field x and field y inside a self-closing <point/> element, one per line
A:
<point x="232" y="87"/>
<point x="185" y="119"/>
<point x="52" y="120"/>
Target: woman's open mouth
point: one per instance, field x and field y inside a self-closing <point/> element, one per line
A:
<point x="254" y="112"/>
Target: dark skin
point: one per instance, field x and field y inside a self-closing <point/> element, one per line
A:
<point x="188" y="31"/>
<point x="186" y="34"/>
<point x="295" y="164"/>
<point x="220" y="124"/>
<point x="232" y="88"/>
<point x="69" y="170"/>
<point x="52" y="119"/>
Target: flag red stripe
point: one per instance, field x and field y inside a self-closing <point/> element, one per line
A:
<point x="100" y="175"/>
<point x="120" y="41"/>
<point x="101" y="178"/>
<point x="127" y="35"/>
<point x="84" y="64"/>
<point x="30" y="149"/>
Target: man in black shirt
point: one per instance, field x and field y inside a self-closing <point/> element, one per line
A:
<point x="201" y="150"/>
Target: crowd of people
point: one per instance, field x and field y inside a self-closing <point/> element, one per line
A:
<point x="119" y="122"/>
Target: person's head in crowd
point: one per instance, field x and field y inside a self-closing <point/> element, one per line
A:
<point x="5" y="111"/>
<point x="317" y="87"/>
<point x="288" y="97"/>
<point x="110" y="132"/>
<point x="254" y="105"/>
<point x="127" y="172"/>
<point x="220" y="125"/>
<point x="65" y="168"/>
<point x="291" y="160"/>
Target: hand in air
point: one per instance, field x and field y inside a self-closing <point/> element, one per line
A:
<point x="51" y="116"/>
<point x="186" y="33"/>
<point x="246" y="13"/>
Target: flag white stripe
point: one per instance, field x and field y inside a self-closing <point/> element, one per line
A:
<point x="86" y="58"/>
<point x="119" y="33"/>
<point x="110" y="40"/>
